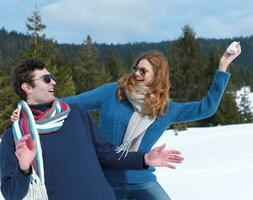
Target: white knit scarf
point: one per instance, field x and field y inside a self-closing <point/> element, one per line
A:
<point x="138" y="123"/>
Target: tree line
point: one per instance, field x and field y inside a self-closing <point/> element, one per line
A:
<point x="79" y="68"/>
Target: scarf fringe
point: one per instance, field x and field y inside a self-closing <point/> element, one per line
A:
<point x="123" y="149"/>
<point x="37" y="190"/>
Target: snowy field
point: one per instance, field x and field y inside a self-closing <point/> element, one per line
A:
<point x="218" y="163"/>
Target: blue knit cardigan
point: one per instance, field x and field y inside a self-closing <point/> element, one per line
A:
<point x="115" y="114"/>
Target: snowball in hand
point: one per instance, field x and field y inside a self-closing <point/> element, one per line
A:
<point x="232" y="47"/>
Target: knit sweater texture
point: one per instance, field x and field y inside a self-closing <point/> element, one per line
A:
<point x="72" y="157"/>
<point x="115" y="115"/>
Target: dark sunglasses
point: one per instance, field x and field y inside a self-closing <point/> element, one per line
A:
<point x="141" y="70"/>
<point x="46" y="78"/>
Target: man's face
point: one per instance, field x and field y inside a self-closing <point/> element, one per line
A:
<point x="43" y="91"/>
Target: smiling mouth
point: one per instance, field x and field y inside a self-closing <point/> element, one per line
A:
<point x="138" y="79"/>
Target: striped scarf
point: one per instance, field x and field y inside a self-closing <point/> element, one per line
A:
<point x="45" y="122"/>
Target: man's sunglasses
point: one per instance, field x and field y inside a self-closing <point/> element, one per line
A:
<point x="141" y="70"/>
<point x="46" y="78"/>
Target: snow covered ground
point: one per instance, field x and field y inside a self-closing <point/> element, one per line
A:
<point x="218" y="163"/>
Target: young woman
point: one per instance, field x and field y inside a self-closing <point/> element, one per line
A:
<point x="135" y="112"/>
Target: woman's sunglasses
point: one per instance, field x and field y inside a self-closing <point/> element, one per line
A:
<point x="46" y="78"/>
<point x="141" y="70"/>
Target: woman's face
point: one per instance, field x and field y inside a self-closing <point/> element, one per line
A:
<point x="143" y="73"/>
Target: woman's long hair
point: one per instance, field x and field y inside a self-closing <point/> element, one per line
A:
<point x="157" y="96"/>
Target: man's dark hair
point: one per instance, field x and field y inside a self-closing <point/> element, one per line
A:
<point x="23" y="73"/>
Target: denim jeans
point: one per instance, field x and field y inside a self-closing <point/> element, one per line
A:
<point x="140" y="191"/>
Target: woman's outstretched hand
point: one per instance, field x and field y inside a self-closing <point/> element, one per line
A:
<point x="161" y="157"/>
<point x="229" y="56"/>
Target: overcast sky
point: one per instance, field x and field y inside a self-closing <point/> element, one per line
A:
<point x="122" y="21"/>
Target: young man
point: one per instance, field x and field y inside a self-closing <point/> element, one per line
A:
<point x="55" y="150"/>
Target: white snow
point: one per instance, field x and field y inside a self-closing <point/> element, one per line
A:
<point x="241" y="92"/>
<point x="218" y="163"/>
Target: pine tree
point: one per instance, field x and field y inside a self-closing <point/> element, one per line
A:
<point x="228" y="112"/>
<point x="245" y="106"/>
<point x="40" y="46"/>
<point x="1" y="63"/>
<point x="187" y="70"/>
<point x="88" y="72"/>
<point x="187" y="67"/>
<point x="114" y="65"/>
<point x="129" y="59"/>
<point x="35" y="26"/>
<point x="8" y="101"/>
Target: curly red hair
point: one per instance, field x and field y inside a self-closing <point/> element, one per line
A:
<point x="157" y="96"/>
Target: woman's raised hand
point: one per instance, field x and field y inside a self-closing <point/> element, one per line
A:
<point x="229" y="55"/>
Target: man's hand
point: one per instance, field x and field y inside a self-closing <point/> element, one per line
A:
<point x="25" y="152"/>
<point x="160" y="157"/>
<point x="228" y="57"/>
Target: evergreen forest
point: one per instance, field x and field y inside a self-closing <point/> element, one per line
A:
<point x="82" y="67"/>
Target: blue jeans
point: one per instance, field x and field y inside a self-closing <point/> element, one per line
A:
<point x="140" y="191"/>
